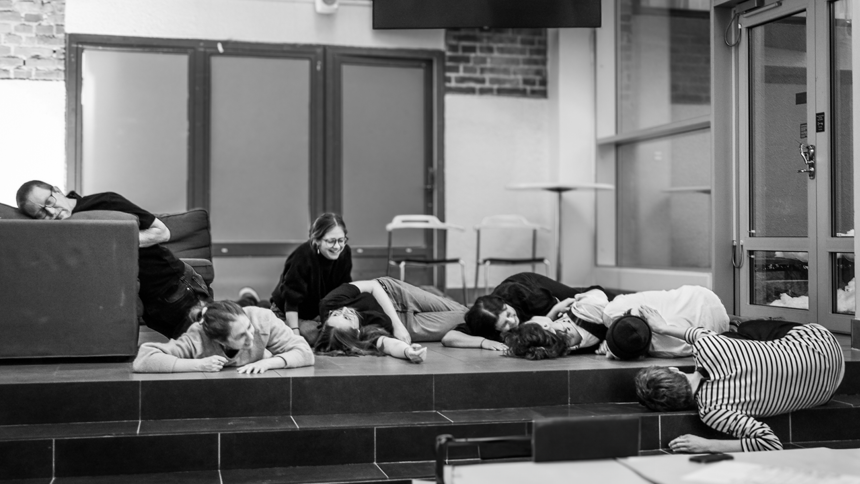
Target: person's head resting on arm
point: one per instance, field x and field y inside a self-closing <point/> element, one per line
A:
<point x="328" y="235"/>
<point x="343" y="335"/>
<point x="225" y="323"/>
<point x="535" y="340"/>
<point x="39" y="200"/>
<point x="490" y="314"/>
<point x="628" y="338"/>
<point x="664" y="389"/>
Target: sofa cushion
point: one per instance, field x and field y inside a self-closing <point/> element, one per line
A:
<point x="189" y="234"/>
<point x="202" y="267"/>
<point x="8" y="212"/>
<point x="102" y="215"/>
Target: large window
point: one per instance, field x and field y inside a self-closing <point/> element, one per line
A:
<point x="656" y="148"/>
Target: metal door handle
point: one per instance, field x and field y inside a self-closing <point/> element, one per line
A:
<point x="807" y="152"/>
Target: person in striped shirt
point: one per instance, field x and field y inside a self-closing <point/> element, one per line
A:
<point x="767" y="368"/>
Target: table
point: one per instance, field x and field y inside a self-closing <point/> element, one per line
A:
<point x="663" y="469"/>
<point x="559" y="188"/>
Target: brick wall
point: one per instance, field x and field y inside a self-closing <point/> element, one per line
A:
<point x="32" y="39"/>
<point x="496" y="62"/>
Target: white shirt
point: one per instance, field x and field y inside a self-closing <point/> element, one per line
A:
<point x="685" y="307"/>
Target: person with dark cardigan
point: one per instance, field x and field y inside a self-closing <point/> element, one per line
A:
<point x="382" y="317"/>
<point x="517" y="299"/>
<point x="310" y="272"/>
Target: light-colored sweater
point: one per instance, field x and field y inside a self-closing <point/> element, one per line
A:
<point x="271" y="336"/>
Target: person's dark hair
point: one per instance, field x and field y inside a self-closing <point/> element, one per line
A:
<point x="322" y="225"/>
<point x="663" y="390"/>
<point x="482" y="316"/>
<point x="527" y="301"/>
<point x="349" y="342"/>
<point x="532" y="342"/>
<point x="24" y="192"/>
<point x="215" y="318"/>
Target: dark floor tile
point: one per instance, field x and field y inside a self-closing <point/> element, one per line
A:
<point x="197" y="477"/>
<point x="837" y="444"/>
<point x="853" y="400"/>
<point x="61" y="431"/>
<point x="408" y="444"/>
<point x="649" y="428"/>
<point x="215" y="398"/>
<point x="42" y="403"/>
<point x="296" y="475"/>
<point x="512" y="414"/>
<point x="362" y="394"/>
<point x="26" y="460"/>
<point x="409" y="470"/>
<point x="500" y="390"/>
<point x="612" y="408"/>
<point x="216" y="425"/>
<point x="602" y="386"/>
<point x="679" y="423"/>
<point x="369" y="419"/>
<point x="851" y="380"/>
<point x="136" y="455"/>
<point x="297" y="448"/>
<point x="825" y="423"/>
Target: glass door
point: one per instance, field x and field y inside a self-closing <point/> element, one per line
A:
<point x="793" y="218"/>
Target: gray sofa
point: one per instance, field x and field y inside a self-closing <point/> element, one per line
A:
<point x="69" y="288"/>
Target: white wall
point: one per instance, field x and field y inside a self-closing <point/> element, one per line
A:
<point x="32" y="135"/>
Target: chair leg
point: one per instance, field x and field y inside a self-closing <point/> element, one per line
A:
<point x="402" y="271"/>
<point x="486" y="277"/>
<point x="463" y="274"/>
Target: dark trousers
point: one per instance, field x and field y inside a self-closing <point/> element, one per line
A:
<point x="168" y="313"/>
<point x="762" y="330"/>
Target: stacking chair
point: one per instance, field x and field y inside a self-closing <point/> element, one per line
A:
<point x="553" y="440"/>
<point x="422" y="222"/>
<point x="506" y="222"/>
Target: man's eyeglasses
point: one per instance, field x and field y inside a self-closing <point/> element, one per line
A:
<point x="50" y="202"/>
<point x="332" y="242"/>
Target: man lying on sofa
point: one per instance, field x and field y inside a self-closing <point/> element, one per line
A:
<point x="169" y="288"/>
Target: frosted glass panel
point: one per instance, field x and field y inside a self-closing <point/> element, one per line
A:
<point x="664" y="202"/>
<point x="260" y="149"/>
<point x="135" y="127"/>
<point x="383" y="151"/>
<point x="778" y="97"/>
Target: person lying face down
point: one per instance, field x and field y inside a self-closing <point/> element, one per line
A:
<point x="383" y="317"/>
<point x="767" y="368"/>
<point x="226" y="335"/>
<point x="686" y="307"/>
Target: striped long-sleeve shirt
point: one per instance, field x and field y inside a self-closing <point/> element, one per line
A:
<point x="750" y="379"/>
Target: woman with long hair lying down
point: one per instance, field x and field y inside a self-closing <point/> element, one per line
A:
<point x="383" y="317"/>
<point x="226" y="335"/>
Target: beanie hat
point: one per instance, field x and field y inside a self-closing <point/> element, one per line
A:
<point x="629" y="337"/>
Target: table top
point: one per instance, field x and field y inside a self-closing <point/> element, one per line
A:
<point x="559" y="186"/>
<point x="800" y="465"/>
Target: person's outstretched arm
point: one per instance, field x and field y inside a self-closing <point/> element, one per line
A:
<point x="398" y="349"/>
<point x="287" y="349"/>
<point x="457" y="339"/>
<point x="375" y="289"/>
<point x="176" y="356"/>
<point x="752" y="435"/>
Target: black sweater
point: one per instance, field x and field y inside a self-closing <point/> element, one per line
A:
<point x="307" y="277"/>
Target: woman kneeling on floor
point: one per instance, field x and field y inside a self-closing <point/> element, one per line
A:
<point x="367" y="318"/>
<point x="227" y="335"/>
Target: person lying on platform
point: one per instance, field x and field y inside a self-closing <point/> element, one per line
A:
<point x="766" y="368"/>
<point x="628" y="336"/>
<point x="574" y="326"/>
<point x="227" y="335"/>
<point x="516" y="299"/>
<point x="383" y="317"/>
<point x="169" y="288"/>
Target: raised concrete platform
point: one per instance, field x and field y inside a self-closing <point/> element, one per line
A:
<point x="364" y="419"/>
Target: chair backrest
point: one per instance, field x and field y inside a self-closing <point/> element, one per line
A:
<point x="581" y="438"/>
<point x="508" y="221"/>
<point x="419" y="221"/>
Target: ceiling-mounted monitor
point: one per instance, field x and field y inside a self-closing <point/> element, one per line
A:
<point x="445" y="14"/>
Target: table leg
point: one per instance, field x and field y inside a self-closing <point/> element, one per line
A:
<point x="558" y="240"/>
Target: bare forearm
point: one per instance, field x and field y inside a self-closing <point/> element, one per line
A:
<point x="714" y="445"/>
<point x="292" y="318"/>
<point x="157" y="233"/>
<point x="456" y="339"/>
